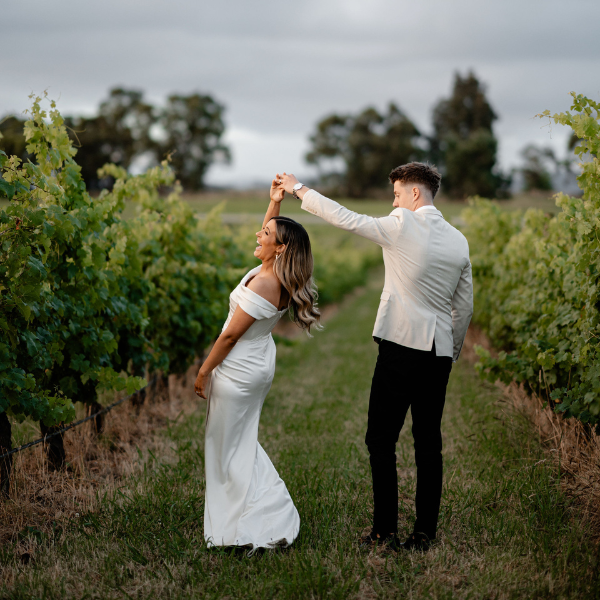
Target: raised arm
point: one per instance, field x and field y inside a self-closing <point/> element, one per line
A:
<point x="462" y="309"/>
<point x="277" y="193"/>
<point x="381" y="230"/>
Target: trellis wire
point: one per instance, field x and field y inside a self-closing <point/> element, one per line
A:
<point x="76" y="423"/>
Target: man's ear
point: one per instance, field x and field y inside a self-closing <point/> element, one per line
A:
<point x="416" y="192"/>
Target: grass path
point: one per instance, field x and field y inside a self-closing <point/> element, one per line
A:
<point x="505" y="530"/>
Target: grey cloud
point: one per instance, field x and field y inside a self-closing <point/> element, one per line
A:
<point x="282" y="66"/>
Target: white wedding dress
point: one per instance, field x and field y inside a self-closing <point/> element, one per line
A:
<point x="247" y="503"/>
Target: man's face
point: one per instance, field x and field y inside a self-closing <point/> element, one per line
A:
<point x="404" y="196"/>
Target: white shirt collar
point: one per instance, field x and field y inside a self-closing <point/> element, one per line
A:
<point x="430" y="208"/>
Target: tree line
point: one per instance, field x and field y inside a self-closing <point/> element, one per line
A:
<point x="189" y="129"/>
<point x="369" y="144"/>
<point x="353" y="153"/>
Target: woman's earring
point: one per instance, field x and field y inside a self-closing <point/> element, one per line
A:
<point x="277" y="256"/>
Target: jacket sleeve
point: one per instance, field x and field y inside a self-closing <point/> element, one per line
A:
<point x="380" y="230"/>
<point x="462" y="309"/>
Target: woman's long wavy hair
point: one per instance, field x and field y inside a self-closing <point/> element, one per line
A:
<point x="294" y="269"/>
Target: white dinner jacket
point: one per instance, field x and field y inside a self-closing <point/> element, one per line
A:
<point x="428" y="290"/>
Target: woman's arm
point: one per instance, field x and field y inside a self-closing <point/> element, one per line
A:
<point x="241" y="321"/>
<point x="239" y="324"/>
<point x="277" y="193"/>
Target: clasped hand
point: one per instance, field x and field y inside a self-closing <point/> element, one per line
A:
<point x="281" y="184"/>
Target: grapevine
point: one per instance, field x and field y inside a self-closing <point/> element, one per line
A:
<point x="89" y="300"/>
<point x="537" y="284"/>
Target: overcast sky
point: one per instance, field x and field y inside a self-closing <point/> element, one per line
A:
<point x="279" y="67"/>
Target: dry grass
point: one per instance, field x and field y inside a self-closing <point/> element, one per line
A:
<point x="41" y="499"/>
<point x="572" y="447"/>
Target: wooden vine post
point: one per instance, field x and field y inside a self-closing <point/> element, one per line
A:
<point x="5" y="446"/>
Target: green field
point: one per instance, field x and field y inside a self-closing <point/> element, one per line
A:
<point x="506" y="531"/>
<point x="254" y="204"/>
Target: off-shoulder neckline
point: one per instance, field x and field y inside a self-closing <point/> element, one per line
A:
<point x="244" y="283"/>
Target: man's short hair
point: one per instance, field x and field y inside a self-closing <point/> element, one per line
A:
<point x="416" y="172"/>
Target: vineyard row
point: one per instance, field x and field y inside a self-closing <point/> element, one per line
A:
<point x="537" y="284"/>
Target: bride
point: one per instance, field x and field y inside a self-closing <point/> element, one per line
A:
<point x="247" y="503"/>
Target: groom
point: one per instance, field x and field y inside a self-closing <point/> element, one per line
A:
<point x="424" y="312"/>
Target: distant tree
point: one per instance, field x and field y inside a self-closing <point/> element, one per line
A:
<point x="466" y="111"/>
<point x="572" y="160"/>
<point x="189" y="128"/>
<point x="126" y="112"/>
<point x="468" y="166"/>
<point x="573" y="141"/>
<point x="12" y="140"/>
<point x="129" y="119"/>
<point x="193" y="128"/>
<point x="536" y="172"/>
<point x="369" y="145"/>
<point x="119" y="133"/>
<point x="463" y="144"/>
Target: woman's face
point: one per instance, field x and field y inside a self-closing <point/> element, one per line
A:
<point x="266" y="239"/>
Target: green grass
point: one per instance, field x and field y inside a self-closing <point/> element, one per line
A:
<point x="252" y="203"/>
<point x="506" y="531"/>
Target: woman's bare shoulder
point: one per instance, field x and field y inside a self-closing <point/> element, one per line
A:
<point x="266" y="286"/>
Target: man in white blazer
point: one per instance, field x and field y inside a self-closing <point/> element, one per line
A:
<point x="425" y="309"/>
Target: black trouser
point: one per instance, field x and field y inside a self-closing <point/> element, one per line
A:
<point x="406" y="377"/>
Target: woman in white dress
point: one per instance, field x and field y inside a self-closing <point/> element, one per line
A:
<point x="247" y="503"/>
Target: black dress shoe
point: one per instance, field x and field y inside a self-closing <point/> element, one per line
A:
<point x="417" y="541"/>
<point x="373" y="540"/>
